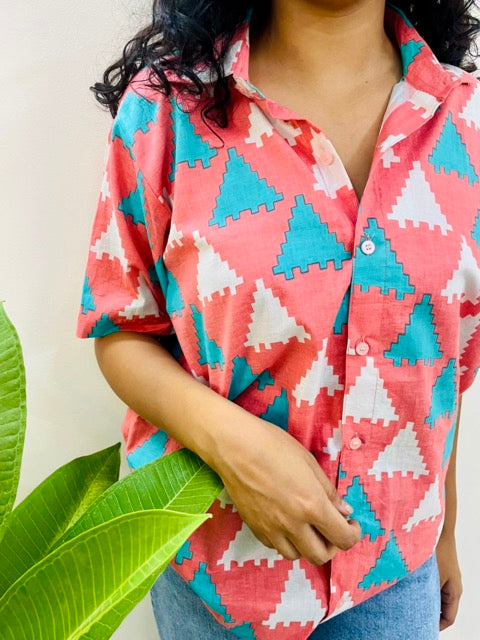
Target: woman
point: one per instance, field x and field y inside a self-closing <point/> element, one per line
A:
<point x="283" y="277"/>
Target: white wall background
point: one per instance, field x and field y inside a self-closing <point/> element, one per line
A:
<point x="52" y="137"/>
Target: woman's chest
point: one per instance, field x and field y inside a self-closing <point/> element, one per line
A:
<point x="261" y="219"/>
<point x="269" y="255"/>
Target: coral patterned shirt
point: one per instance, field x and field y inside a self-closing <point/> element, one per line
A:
<point x="352" y="325"/>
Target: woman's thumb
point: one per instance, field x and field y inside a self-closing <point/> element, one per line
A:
<point x="344" y="508"/>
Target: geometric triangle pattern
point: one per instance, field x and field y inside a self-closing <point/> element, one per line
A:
<point x="418" y="340"/>
<point x="351" y="324"/>
<point x="299" y="602"/>
<point x="362" y="510"/>
<point x="389" y="567"/>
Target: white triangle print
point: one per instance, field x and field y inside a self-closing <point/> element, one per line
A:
<point x="471" y="111"/>
<point x="110" y="243"/>
<point x="319" y="376"/>
<point x="468" y="326"/>
<point x="105" y="189"/>
<point x="361" y="404"/>
<point x="299" y="602"/>
<point x="345" y="603"/>
<point x="401" y="455"/>
<point x="424" y="103"/>
<point x="271" y="322"/>
<point x="359" y="400"/>
<point x="224" y="499"/>
<point x="208" y="75"/>
<point x="389" y="157"/>
<point x="165" y="198"/>
<point x="259" y="126"/>
<point x="231" y="55"/>
<point x="417" y="203"/>
<point x="334" y="443"/>
<point x="246" y="547"/>
<point x="455" y="71"/>
<point x="143" y="305"/>
<point x="214" y="275"/>
<point x="285" y="129"/>
<point x="174" y="237"/>
<point x="383" y="409"/>
<point x="390" y="141"/>
<point x="401" y="93"/>
<point x="465" y="281"/>
<point x="429" y="507"/>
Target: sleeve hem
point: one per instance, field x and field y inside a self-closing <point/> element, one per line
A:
<point x="165" y="330"/>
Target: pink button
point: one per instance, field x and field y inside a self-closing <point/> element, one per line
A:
<point x="355" y="443"/>
<point x="326" y="157"/>
<point x="362" y="348"/>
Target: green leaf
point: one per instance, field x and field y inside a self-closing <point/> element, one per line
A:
<point x="56" y="504"/>
<point x="87" y="586"/>
<point x="13" y="415"/>
<point x="180" y="481"/>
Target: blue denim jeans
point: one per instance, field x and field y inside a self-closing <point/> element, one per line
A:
<point x="407" y="610"/>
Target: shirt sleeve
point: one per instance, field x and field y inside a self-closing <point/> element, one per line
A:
<point x="124" y="284"/>
<point x="469" y="350"/>
<point x="469" y="327"/>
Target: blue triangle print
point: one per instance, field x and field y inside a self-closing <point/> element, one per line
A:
<point x="135" y="113"/>
<point x="419" y="340"/>
<point x="389" y="567"/>
<point x="203" y="586"/>
<point x="189" y="147"/>
<point x="450" y="153"/>
<point x="103" y="327"/>
<point x="308" y="242"/>
<point x="242" y="190"/>
<point x="443" y="394"/>
<point x="87" y="302"/>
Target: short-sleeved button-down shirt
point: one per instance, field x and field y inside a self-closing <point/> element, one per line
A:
<point x="352" y="325"/>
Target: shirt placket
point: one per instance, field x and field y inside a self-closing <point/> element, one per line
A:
<point x="365" y="330"/>
<point x="365" y="327"/>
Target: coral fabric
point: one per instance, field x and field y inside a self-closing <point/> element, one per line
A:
<point x="352" y="325"/>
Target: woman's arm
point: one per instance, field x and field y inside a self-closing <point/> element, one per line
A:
<point x="277" y="486"/>
<point x="451" y="483"/>
<point x="450" y="575"/>
<point x="149" y="380"/>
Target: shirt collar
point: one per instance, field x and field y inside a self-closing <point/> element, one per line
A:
<point x="421" y="68"/>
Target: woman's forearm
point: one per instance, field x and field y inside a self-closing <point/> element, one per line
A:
<point x="147" y="378"/>
<point x="451" y="484"/>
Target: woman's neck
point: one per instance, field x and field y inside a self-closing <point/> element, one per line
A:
<point x="342" y="42"/>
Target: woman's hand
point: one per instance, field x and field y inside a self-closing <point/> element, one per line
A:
<point x="277" y="485"/>
<point x="283" y="495"/>
<point x="450" y="579"/>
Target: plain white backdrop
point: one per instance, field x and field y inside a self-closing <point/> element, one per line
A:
<point x="52" y="139"/>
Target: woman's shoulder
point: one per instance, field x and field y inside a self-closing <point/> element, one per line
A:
<point x="140" y="91"/>
<point x="144" y="123"/>
<point x="141" y="81"/>
<point x="147" y="96"/>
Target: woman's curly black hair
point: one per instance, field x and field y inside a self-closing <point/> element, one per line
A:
<point x="182" y="35"/>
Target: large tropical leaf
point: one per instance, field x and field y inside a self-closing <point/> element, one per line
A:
<point x="87" y="586"/>
<point x="55" y="505"/>
<point x="13" y="415"/>
<point x="180" y="481"/>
